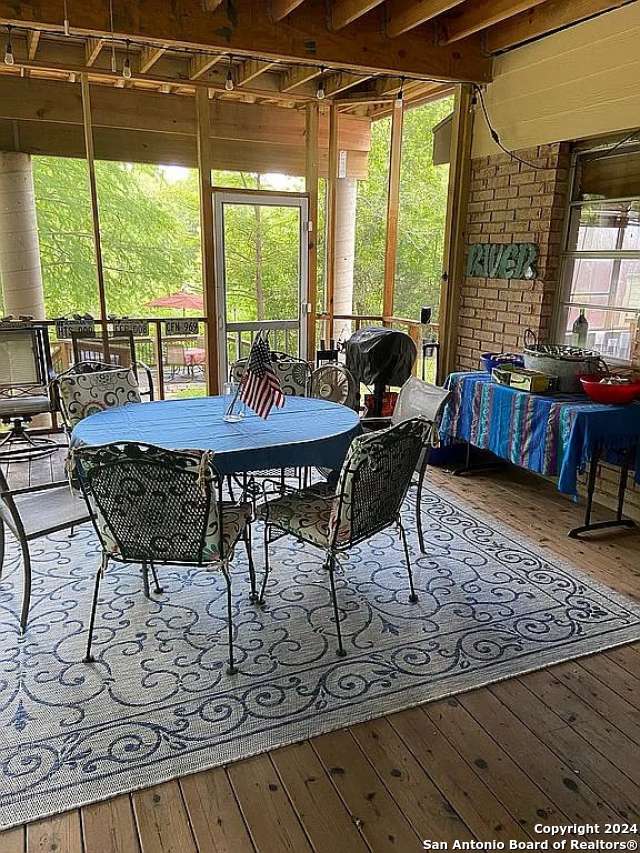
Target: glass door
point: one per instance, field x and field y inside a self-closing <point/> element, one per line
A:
<point x="261" y="272"/>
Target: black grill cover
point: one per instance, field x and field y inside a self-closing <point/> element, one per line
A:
<point x="380" y="356"/>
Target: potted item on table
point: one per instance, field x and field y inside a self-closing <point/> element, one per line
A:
<point x="565" y="362"/>
<point x="617" y="390"/>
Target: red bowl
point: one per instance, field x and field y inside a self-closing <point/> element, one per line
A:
<point x="617" y="394"/>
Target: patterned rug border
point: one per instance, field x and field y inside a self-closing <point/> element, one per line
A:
<point x="473" y="680"/>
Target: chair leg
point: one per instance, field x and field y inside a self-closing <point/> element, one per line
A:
<point x="26" y="594"/>
<point x="232" y="670"/>
<point x="2" y="534"/>
<point x="331" y="564"/>
<point x="419" y="512"/>
<point x="266" y="566"/>
<point x="88" y="658"/>
<point x="157" y="588"/>
<point x="145" y="580"/>
<point x="412" y="597"/>
<point x="252" y="569"/>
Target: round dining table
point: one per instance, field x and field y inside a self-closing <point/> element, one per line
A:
<point x="305" y="432"/>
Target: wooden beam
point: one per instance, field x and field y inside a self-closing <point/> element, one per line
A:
<point x="245" y="28"/>
<point x="250" y="69"/>
<point x="93" y="190"/>
<point x="207" y="242"/>
<point x="312" y="127"/>
<point x="211" y="5"/>
<point x="336" y="83"/>
<point x="553" y="15"/>
<point x="331" y="209"/>
<point x="482" y="14"/>
<point x="455" y="229"/>
<point x="33" y="37"/>
<point x="404" y="15"/>
<point x="148" y="58"/>
<point x="344" y="12"/>
<point x="92" y="50"/>
<point x="298" y="75"/>
<point x="201" y="63"/>
<point x="393" y="205"/>
<point x="281" y="8"/>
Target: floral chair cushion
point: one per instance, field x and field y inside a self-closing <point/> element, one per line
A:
<point x="83" y="394"/>
<point x="306" y="514"/>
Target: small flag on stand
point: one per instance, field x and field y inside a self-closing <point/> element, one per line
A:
<point x="260" y="387"/>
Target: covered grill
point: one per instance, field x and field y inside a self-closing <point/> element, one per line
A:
<point x="380" y="357"/>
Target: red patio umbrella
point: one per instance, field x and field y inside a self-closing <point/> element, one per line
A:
<point x="180" y="299"/>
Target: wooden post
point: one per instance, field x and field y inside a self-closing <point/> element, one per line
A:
<point x="95" y="215"/>
<point x="332" y="191"/>
<point x="453" y="254"/>
<point x="207" y="242"/>
<point x="311" y="186"/>
<point x="393" y="203"/>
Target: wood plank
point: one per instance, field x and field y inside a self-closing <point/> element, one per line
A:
<point x="109" y="826"/>
<point x="336" y="83"/>
<point x="214" y="814"/>
<point x="404" y="15"/>
<point x="13" y="840"/>
<point x="344" y="12"/>
<point x="393" y="207"/>
<point x="201" y="63"/>
<point x="377" y="815"/>
<point x="559" y="779"/>
<point x="326" y="820"/>
<point x="59" y="834"/>
<point x="298" y="75"/>
<point x="33" y="39"/>
<point x="494" y="765"/>
<point x="268" y="813"/>
<point x="207" y="241"/>
<point x="477" y="806"/>
<point x="553" y="15"/>
<point x="281" y="8"/>
<point x="628" y="657"/>
<point x="148" y="58"/>
<point x="162" y="819"/>
<point x="250" y="69"/>
<point x="311" y="186"/>
<point x="422" y="803"/>
<point x="93" y="49"/>
<point x="247" y="28"/>
<point x="601" y="733"/>
<point x="592" y="767"/>
<point x="482" y="14"/>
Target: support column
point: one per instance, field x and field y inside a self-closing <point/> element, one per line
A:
<point x="20" y="270"/>
<point x="345" y="239"/>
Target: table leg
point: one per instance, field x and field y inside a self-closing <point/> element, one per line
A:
<point x="469" y="468"/>
<point x="618" y="521"/>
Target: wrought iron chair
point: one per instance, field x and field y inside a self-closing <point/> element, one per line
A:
<point x="25" y="374"/>
<point x="155" y="507"/>
<point x="121" y="354"/>
<point x="373" y="483"/>
<point x="417" y="399"/>
<point x="91" y="386"/>
<point x="335" y="383"/>
<point x="31" y="513"/>
<point x="294" y="373"/>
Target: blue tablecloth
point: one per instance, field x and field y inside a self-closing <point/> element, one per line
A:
<point x="554" y="435"/>
<point x="306" y="432"/>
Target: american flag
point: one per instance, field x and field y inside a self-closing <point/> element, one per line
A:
<point x="260" y="387"/>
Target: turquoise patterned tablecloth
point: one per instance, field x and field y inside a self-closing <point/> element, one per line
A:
<point x="554" y="435"/>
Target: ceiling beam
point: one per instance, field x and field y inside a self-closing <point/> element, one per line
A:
<point x="149" y="56"/>
<point x="344" y="12"/>
<point x="211" y="5"/>
<point x="92" y="50"/>
<point x="297" y="75"/>
<point x="482" y="14"/>
<point x="554" y="15"/>
<point x="336" y="83"/>
<point x="404" y="15"/>
<point x="250" y="69"/>
<point x="201" y="63"/>
<point x="33" y="37"/>
<point x="245" y="28"/>
<point x="281" y="8"/>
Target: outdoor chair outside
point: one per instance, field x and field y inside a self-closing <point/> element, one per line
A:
<point x="119" y="352"/>
<point x="371" y="488"/>
<point x="89" y="387"/>
<point x="154" y="507"/>
<point x="417" y="399"/>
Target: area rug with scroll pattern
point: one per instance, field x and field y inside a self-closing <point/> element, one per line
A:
<point x="157" y="703"/>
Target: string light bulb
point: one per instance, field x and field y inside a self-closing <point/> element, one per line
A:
<point x="228" y="83"/>
<point x="320" y="93"/>
<point x="126" y="68"/>
<point x="8" y="51"/>
<point x="400" y="96"/>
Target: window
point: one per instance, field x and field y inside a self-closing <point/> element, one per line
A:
<point x="601" y="262"/>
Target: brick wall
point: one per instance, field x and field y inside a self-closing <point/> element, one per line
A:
<point x="510" y="202"/>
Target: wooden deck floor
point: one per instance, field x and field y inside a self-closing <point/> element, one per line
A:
<point x="555" y="747"/>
